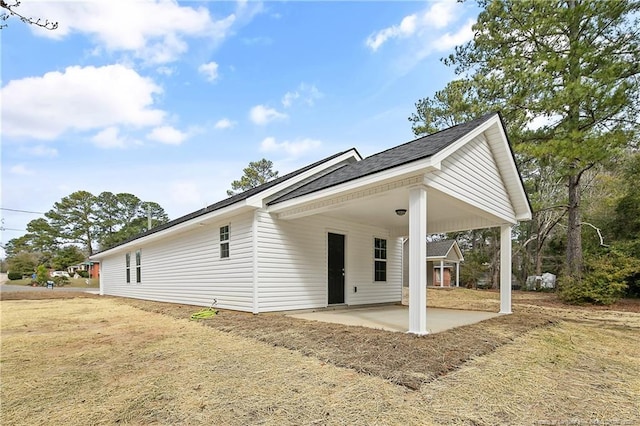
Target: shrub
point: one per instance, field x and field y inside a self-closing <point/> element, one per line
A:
<point x="14" y="276"/>
<point x="61" y="281"/>
<point x="83" y="274"/>
<point x="589" y="290"/>
<point x="604" y="281"/>
<point x="42" y="275"/>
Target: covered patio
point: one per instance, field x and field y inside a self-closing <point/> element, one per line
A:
<point x="396" y="317"/>
<point x="459" y="179"/>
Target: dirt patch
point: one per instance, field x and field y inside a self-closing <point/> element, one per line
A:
<point x="404" y="359"/>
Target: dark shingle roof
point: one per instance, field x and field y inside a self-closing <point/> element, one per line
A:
<point x="407" y="153"/>
<point x="228" y="201"/>
<point x="439" y="248"/>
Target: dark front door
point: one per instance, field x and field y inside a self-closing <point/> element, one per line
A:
<point x="336" y="268"/>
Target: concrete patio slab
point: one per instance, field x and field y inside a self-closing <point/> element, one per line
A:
<point x="396" y="317"/>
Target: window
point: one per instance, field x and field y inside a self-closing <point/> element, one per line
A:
<point x="138" y="271"/>
<point x="224" y="242"/>
<point x="380" y="259"/>
<point x="128" y="263"/>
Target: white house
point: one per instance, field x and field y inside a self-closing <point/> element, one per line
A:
<point x="331" y="233"/>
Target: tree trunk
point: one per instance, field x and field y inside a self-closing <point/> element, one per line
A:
<point x="539" y="260"/>
<point x="574" y="231"/>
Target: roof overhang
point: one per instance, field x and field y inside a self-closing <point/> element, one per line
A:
<point x="366" y="186"/>
<point x="373" y="199"/>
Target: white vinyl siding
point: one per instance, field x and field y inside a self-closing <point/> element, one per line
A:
<point x="186" y="268"/>
<point x="471" y="175"/>
<point x="292" y="263"/>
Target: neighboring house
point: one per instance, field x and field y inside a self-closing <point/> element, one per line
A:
<point x="442" y="257"/>
<point x="331" y="233"/>
<point x="93" y="267"/>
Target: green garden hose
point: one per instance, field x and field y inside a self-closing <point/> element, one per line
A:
<point x="204" y="314"/>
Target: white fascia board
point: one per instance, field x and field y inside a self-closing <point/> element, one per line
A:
<point x="522" y="210"/>
<point x="205" y="219"/>
<point x="258" y="199"/>
<point x="425" y="165"/>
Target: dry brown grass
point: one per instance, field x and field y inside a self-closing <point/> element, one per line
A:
<point x="401" y="358"/>
<point x="105" y="361"/>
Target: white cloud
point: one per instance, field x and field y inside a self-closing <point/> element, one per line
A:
<point x="438" y="15"/>
<point x="225" y="123"/>
<point x="41" y="151"/>
<point x="406" y="28"/>
<point x="78" y="99"/>
<point x="306" y="93"/>
<point x="21" y="170"/>
<point x="167" y="135"/>
<point x="109" y="138"/>
<point x="448" y="41"/>
<point x="209" y="70"/>
<point x="295" y="148"/>
<point x="165" y="70"/>
<point x="154" y="31"/>
<point x="262" y="115"/>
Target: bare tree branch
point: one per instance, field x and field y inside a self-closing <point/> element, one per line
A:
<point x="599" y="233"/>
<point x="46" y="24"/>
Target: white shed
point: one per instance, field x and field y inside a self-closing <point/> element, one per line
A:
<point x="331" y="233"/>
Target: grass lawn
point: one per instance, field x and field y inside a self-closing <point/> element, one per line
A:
<point x="103" y="360"/>
<point x="73" y="282"/>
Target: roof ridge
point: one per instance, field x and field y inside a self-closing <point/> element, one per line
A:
<point x="482" y="118"/>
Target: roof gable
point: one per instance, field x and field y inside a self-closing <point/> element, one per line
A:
<point x="414" y="150"/>
<point x="444" y="249"/>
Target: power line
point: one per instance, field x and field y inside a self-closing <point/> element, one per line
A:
<point x="20" y="211"/>
<point x="12" y="229"/>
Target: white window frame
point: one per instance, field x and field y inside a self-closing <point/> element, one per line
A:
<point x="127" y="262"/>
<point x="138" y="266"/>
<point x="377" y="259"/>
<point x="225" y="237"/>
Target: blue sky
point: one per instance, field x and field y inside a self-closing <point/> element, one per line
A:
<point x="171" y="100"/>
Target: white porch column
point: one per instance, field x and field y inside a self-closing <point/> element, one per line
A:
<point x="505" y="269"/>
<point x="457" y="274"/>
<point x="417" y="264"/>
<point x="441" y="273"/>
